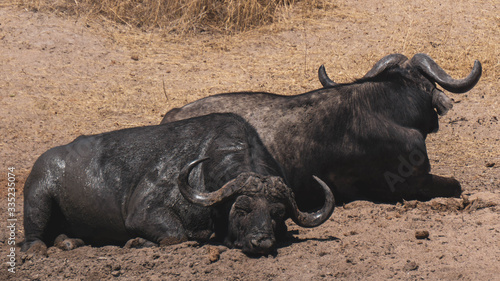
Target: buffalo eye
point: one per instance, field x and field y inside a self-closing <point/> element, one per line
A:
<point x="242" y="206"/>
<point x="241" y="211"/>
<point x="278" y="212"/>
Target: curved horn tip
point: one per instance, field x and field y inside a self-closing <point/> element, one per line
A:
<point x="186" y="190"/>
<point x="316" y="218"/>
<point x="206" y="199"/>
<point x="199" y="160"/>
<point x="324" y="79"/>
<point x="435" y="73"/>
<point x="477" y="66"/>
<point x="326" y="189"/>
<point x="187" y="169"/>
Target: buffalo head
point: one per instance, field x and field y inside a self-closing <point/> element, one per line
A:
<point x="423" y="70"/>
<point x="259" y="206"/>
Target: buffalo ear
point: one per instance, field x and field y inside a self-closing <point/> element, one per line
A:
<point x="441" y="102"/>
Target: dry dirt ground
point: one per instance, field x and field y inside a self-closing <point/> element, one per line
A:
<point x="63" y="76"/>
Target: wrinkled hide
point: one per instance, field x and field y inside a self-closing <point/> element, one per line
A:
<point x="114" y="187"/>
<point x="366" y="139"/>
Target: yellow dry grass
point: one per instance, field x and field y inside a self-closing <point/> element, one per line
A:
<point x="174" y="15"/>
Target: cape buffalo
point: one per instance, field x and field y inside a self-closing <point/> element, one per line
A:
<point x="113" y="187"/>
<point x="366" y="139"/>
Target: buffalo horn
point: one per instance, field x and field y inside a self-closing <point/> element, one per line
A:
<point x="315" y="218"/>
<point x="386" y="62"/>
<point x="324" y="79"/>
<point x="433" y="71"/>
<point x="203" y="198"/>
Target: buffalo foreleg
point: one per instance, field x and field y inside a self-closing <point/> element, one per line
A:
<point x="139" y="243"/>
<point x="42" y="218"/>
<point x="426" y="187"/>
<point x="161" y="227"/>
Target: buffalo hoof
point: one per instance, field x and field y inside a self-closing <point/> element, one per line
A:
<point x="171" y="241"/>
<point x="64" y="243"/>
<point x="449" y="187"/>
<point x="138" y="243"/>
<point x="430" y="186"/>
<point x="35" y="248"/>
<point x="442" y="187"/>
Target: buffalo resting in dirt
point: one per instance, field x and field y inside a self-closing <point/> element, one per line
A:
<point x="366" y="139"/>
<point x="113" y="187"/>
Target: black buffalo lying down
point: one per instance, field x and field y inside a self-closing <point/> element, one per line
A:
<point x="365" y="139"/>
<point x="113" y="187"/>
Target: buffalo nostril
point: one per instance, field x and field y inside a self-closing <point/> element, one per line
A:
<point x="266" y="244"/>
<point x="254" y="242"/>
<point x="262" y="243"/>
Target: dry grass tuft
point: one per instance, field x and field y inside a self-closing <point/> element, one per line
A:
<point x="174" y="15"/>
